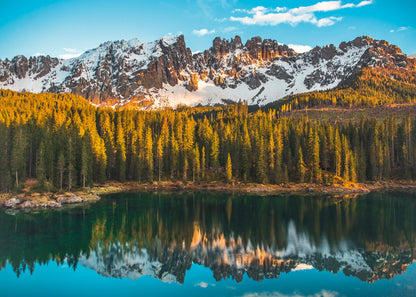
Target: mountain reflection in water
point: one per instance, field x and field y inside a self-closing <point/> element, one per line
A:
<point x="161" y="235"/>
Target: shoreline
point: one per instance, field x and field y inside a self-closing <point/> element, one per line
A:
<point x="49" y="200"/>
<point x="254" y="188"/>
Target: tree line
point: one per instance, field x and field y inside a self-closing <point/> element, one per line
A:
<point x="64" y="142"/>
<point x="365" y="88"/>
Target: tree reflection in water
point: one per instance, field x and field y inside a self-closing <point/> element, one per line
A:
<point x="161" y="235"/>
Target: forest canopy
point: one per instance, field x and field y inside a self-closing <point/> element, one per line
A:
<point x="65" y="142"/>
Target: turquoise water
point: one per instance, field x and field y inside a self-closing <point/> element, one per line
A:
<point x="213" y="244"/>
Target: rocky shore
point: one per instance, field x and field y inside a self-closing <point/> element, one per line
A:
<point x="50" y="200"/>
<point x="258" y="189"/>
<point x="45" y="200"/>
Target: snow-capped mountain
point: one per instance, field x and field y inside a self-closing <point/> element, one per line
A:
<point x="229" y="257"/>
<point x="166" y="73"/>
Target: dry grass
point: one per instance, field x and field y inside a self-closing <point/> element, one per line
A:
<point x="354" y="114"/>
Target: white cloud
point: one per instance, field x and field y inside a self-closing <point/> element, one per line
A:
<point x="263" y="16"/>
<point x="275" y="19"/>
<point x="220" y="20"/>
<point x="204" y="285"/>
<point x="229" y="29"/>
<point x="403" y="29"/>
<point x="322" y="293"/>
<point x="300" y="48"/>
<point x="325" y="22"/>
<point x="38" y="54"/>
<point x="280" y="9"/>
<point x="400" y="29"/>
<point x="321" y="7"/>
<point x="202" y="32"/>
<point x="364" y="3"/>
<point x="258" y="9"/>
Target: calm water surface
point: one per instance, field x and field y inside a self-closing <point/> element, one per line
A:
<point x="212" y="244"/>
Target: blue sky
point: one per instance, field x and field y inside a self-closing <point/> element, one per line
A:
<point x="65" y="28"/>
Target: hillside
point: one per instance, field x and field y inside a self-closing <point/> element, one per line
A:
<point x="64" y="142"/>
<point x="366" y="90"/>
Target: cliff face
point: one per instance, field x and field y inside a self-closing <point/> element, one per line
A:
<point x="166" y="73"/>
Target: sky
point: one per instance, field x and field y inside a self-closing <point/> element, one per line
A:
<point x="68" y="28"/>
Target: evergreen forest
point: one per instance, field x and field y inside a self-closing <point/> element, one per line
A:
<point x="64" y="142"/>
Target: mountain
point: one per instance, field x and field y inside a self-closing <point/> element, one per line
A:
<point x="166" y="73"/>
<point x="229" y="257"/>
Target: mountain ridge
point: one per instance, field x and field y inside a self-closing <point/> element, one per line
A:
<point x="165" y="73"/>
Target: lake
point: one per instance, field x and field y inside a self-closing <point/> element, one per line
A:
<point x="213" y="244"/>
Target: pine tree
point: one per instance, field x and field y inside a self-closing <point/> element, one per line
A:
<point x="279" y="152"/>
<point x="174" y="156"/>
<point x="214" y="151"/>
<point x="159" y="156"/>
<point x="203" y="166"/>
<point x="196" y="163"/>
<point x="337" y="153"/>
<point x="185" y="169"/>
<point x="261" y="176"/>
<point x="18" y="154"/>
<point x="61" y="168"/>
<point x="5" y="179"/>
<point x="228" y="169"/>
<point x="301" y="169"/>
<point x="148" y="151"/>
<point x="120" y="151"/>
<point x="85" y="162"/>
<point x="313" y="152"/>
<point x="71" y="158"/>
<point x="245" y="153"/>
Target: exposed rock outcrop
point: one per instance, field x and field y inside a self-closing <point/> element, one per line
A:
<point x="165" y="72"/>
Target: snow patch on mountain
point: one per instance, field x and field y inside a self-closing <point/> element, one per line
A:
<point x="164" y="73"/>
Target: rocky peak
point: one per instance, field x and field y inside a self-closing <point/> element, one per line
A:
<point x="361" y="41"/>
<point x="20" y="66"/>
<point x="267" y="49"/>
<point x="165" y="71"/>
<point x="236" y="43"/>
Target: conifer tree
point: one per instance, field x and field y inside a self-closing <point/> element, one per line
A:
<point x="203" y="163"/>
<point x="120" y="151"/>
<point x="196" y="163"/>
<point x="61" y="168"/>
<point x="85" y="162"/>
<point x="261" y="176"/>
<point x="148" y="150"/>
<point x="301" y="169"/>
<point x="17" y="158"/>
<point x="159" y="156"/>
<point x="174" y="156"/>
<point x="71" y="158"/>
<point x="5" y="179"/>
<point x="214" y="152"/>
<point x="228" y="169"/>
<point x="245" y="153"/>
<point x="337" y="155"/>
